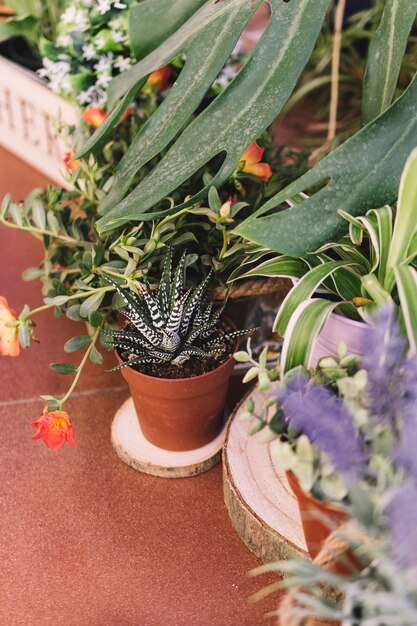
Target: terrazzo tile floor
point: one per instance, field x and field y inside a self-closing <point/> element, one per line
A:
<point x="86" y="540"/>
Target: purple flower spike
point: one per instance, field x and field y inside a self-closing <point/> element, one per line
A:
<point x="384" y="360"/>
<point x="402" y="516"/>
<point x="318" y="413"/>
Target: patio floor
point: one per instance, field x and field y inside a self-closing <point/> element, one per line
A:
<point x="85" y="539"/>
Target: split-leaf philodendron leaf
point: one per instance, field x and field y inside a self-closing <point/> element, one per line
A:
<point x="236" y="117"/>
<point x="151" y="22"/>
<point x="362" y="173"/>
<point x="385" y="56"/>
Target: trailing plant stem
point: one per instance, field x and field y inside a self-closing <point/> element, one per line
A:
<point x="75" y="296"/>
<point x="81" y="365"/>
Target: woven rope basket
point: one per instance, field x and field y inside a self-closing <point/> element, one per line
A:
<point x="256" y="287"/>
<point x="335" y="548"/>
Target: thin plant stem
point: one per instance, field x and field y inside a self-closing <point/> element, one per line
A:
<point x="40" y="231"/>
<point x="334" y="94"/>
<point x="225" y="244"/>
<point x="76" y="296"/>
<point x="81" y="366"/>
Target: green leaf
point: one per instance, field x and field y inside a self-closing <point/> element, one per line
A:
<point x="91" y="304"/>
<point x="23" y="334"/>
<point x="405" y="226"/>
<point x="73" y="313"/>
<point x="303" y="290"/>
<point x="241" y="357"/>
<point x="32" y="273"/>
<point x="283" y="266"/>
<point x="363" y="173"/>
<point x="64" y="368"/>
<point x="406" y="280"/>
<point x="76" y="343"/>
<point x="302" y="331"/>
<point x="238" y="115"/>
<point x="153" y="21"/>
<point x="385" y="56"/>
<point x="56" y="300"/>
<point x="220" y="36"/>
<point x="23" y="26"/>
<point x="38" y="214"/>
<point x="96" y="356"/>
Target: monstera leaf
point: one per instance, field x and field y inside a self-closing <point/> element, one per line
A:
<point x="362" y="173"/>
<point x="385" y="55"/>
<point x="235" y="118"/>
<point x="151" y="23"/>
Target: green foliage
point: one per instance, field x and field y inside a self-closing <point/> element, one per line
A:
<point x="170" y="324"/>
<point x="386" y="52"/>
<point x="32" y="20"/>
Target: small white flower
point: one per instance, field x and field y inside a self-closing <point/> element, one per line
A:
<point x="100" y="42"/>
<point x="120" y="5"/>
<point x="77" y="18"/>
<point x="103" y="6"/>
<point x="118" y="36"/>
<point x="89" y="52"/>
<point x="105" y="62"/>
<point x="57" y="75"/>
<point x="103" y="80"/>
<point x="123" y="63"/>
<point x="93" y="95"/>
<point x="63" y="41"/>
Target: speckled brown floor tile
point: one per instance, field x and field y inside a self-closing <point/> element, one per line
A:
<point x="86" y="540"/>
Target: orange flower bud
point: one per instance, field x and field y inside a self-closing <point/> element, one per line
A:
<point x="70" y="163"/>
<point x="250" y="162"/>
<point x="94" y="116"/>
<point x="55" y="429"/>
<point x="160" y="78"/>
<point x="9" y="342"/>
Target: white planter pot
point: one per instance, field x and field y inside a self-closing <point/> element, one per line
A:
<point x="28" y="114"/>
<point x="337" y="329"/>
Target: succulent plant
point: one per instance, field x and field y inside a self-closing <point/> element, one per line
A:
<point x="171" y="323"/>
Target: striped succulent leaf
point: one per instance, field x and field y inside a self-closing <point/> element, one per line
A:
<point x="170" y="324"/>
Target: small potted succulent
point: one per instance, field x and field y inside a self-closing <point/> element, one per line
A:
<point x="176" y="354"/>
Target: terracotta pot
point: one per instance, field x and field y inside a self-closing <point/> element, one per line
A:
<point x="319" y="519"/>
<point x="338" y="328"/>
<point x="184" y="413"/>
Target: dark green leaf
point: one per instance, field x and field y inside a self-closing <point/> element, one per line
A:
<point x="76" y="343"/>
<point x="64" y="368"/>
<point x="364" y="173"/>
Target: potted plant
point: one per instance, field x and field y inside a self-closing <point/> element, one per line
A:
<point x="335" y="424"/>
<point x="176" y="354"/>
<point x="372" y="265"/>
<point x="381" y="500"/>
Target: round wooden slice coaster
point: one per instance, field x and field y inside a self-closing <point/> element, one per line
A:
<point x="261" y="505"/>
<point x="132" y="447"/>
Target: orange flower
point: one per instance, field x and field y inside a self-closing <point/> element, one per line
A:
<point x="9" y="342"/>
<point x="250" y="162"/>
<point x="160" y="78"/>
<point x="70" y="163"/>
<point x="55" y="429"/>
<point x="94" y="116"/>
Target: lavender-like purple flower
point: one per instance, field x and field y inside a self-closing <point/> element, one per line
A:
<point x="322" y="416"/>
<point x="402" y="516"/>
<point x="406" y="454"/>
<point x="392" y="379"/>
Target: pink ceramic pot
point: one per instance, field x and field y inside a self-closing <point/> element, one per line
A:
<point x="337" y="329"/>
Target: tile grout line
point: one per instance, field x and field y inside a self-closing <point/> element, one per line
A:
<point x="76" y="394"/>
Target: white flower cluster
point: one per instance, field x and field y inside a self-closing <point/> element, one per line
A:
<point x="92" y="48"/>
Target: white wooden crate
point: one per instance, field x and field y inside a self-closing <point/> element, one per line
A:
<point x="28" y="112"/>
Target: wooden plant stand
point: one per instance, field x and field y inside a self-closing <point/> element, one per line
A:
<point x="261" y="505"/>
<point x="137" y="452"/>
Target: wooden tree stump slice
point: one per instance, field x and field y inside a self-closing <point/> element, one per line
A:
<point x="137" y="452"/>
<point x="261" y="505"/>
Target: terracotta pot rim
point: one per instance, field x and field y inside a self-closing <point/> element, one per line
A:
<point x="327" y="504"/>
<point x="189" y="378"/>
